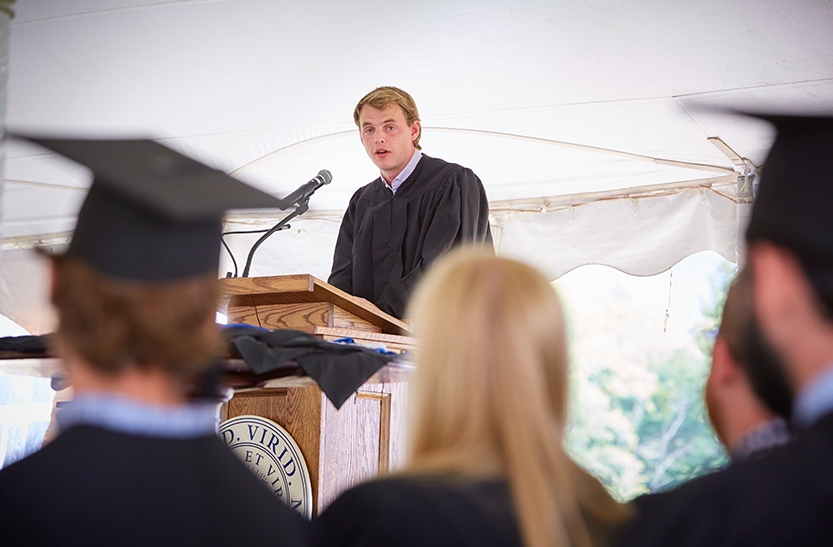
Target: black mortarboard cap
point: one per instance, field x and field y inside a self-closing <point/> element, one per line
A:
<point x="151" y="214"/>
<point x="795" y="195"/>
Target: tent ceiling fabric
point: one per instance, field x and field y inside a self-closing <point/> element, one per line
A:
<point x="266" y="88"/>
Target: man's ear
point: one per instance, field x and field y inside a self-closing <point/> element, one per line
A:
<point x="415" y="130"/>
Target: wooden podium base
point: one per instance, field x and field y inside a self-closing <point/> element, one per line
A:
<point x="364" y="438"/>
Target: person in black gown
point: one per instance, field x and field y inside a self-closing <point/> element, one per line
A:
<point x="488" y="409"/>
<point x="784" y="497"/>
<point x="747" y="400"/>
<point x="418" y="208"/>
<point x="136" y="296"/>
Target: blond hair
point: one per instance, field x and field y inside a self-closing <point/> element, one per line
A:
<point x="385" y="96"/>
<point x="489" y="396"/>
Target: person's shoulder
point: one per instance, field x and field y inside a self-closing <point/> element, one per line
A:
<point x="33" y="489"/>
<point x="381" y="495"/>
<point x="370" y="191"/>
<point x="429" y="510"/>
<point x="19" y="475"/>
<point x="432" y="166"/>
<point x="378" y="512"/>
<point x="190" y="479"/>
<point x="774" y="499"/>
<point x="797" y="462"/>
<point x="49" y="460"/>
<point x="418" y="488"/>
<point x="818" y="437"/>
<point x="440" y="174"/>
<point x="678" y="516"/>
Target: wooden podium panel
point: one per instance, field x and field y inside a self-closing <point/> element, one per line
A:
<point x="303" y="317"/>
<point x="391" y="341"/>
<point x="365" y="437"/>
<point x="303" y="302"/>
<point x="362" y="439"/>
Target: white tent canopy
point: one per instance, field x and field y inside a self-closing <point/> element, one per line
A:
<point x="585" y="120"/>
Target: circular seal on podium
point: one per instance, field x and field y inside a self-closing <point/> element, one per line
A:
<point x="273" y="456"/>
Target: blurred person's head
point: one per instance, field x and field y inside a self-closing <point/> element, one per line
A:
<point x="746" y="387"/>
<point x="790" y="251"/>
<point x="490" y="392"/>
<point x="115" y="325"/>
<point x="136" y="290"/>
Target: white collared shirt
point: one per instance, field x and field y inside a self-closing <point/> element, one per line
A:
<point x="118" y="413"/>
<point x="405" y="173"/>
<point x="770" y="434"/>
<point x="814" y="400"/>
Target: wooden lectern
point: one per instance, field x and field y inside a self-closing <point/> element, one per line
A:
<point x="341" y="447"/>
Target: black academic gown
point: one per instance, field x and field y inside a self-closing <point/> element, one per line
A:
<point x="92" y="486"/>
<point x="783" y="498"/>
<point x="411" y="512"/>
<point x="387" y="241"/>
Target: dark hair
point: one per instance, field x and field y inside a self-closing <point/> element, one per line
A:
<point x="115" y="325"/>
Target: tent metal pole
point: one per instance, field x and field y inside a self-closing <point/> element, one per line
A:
<point x="6" y="15"/>
<point x="746" y="180"/>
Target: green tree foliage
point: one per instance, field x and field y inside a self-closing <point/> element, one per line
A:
<point x="638" y="418"/>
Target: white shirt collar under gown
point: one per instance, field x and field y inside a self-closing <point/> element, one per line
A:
<point x="124" y="415"/>
<point x="405" y="173"/>
<point x="814" y="400"/>
<point x="770" y="434"/>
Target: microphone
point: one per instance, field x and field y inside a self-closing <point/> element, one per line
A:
<point x="299" y="197"/>
<point x="303" y="193"/>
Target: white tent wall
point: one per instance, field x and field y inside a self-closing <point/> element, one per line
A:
<point x="24" y="285"/>
<point x="641" y="235"/>
<point x="585" y="121"/>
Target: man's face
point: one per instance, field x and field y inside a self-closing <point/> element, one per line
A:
<point x="387" y="138"/>
<point x="766" y="369"/>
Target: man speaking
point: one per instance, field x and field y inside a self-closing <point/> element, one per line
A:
<point x="418" y="209"/>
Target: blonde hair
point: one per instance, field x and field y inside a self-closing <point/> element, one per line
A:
<point x="385" y="96"/>
<point x="489" y="396"/>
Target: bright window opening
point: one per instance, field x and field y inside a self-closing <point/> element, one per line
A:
<point x="25" y="407"/>
<point x="640" y="357"/>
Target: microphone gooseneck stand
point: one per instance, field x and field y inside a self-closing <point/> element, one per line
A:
<point x="299" y="210"/>
<point x="299" y="198"/>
